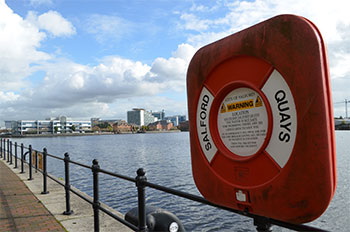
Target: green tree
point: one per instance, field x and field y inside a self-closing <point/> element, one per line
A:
<point x="73" y="128"/>
<point x="109" y="128"/>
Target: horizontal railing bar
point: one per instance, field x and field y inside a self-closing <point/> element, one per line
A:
<point x="117" y="175"/>
<point x="18" y="145"/>
<point x="79" y="164"/>
<point x="294" y="226"/>
<point x="81" y="196"/>
<point x="119" y="219"/>
<point x="56" y="157"/>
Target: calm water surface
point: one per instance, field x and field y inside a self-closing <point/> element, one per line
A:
<point x="166" y="159"/>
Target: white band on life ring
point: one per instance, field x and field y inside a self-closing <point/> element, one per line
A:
<point x="203" y="110"/>
<point x="284" y="115"/>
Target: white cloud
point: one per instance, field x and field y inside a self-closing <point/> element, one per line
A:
<point x="74" y="89"/>
<point x="41" y="2"/>
<point x="185" y="52"/>
<point x="192" y="22"/>
<point x="340" y="65"/>
<point x="105" y="27"/>
<point x="203" y="8"/>
<point x="8" y="96"/>
<point x="19" y="43"/>
<point x="77" y="81"/>
<point x="332" y="19"/>
<point x="52" y="22"/>
<point x="117" y="84"/>
<point x="242" y="14"/>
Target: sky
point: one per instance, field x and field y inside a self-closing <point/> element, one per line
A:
<point x="101" y="58"/>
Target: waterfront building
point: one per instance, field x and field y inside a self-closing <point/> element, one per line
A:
<point x="160" y="115"/>
<point x="184" y="126"/>
<point x="9" y="125"/>
<point x="122" y="127"/>
<point x="53" y="125"/>
<point x="177" y="119"/>
<point x="95" y="121"/>
<point x="140" y="117"/>
<point x="161" y="125"/>
<point x="98" y="121"/>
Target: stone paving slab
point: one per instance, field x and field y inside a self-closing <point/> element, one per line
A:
<point x="20" y="210"/>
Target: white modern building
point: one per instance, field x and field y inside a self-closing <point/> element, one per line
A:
<point x="140" y="117"/>
<point x="56" y="125"/>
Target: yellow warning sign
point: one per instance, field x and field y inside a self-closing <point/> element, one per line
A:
<point x="242" y="105"/>
<point x="41" y="162"/>
<point x="37" y="157"/>
<point x="258" y="102"/>
<point x="223" y="108"/>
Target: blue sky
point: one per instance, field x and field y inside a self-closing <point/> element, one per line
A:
<point x="89" y="58"/>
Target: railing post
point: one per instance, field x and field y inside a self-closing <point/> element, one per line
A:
<point x="22" y="158"/>
<point x="140" y="183"/>
<point x="44" y="172"/>
<point x="67" y="184"/>
<point x="96" y="204"/>
<point x="30" y="163"/>
<point x="4" y="147"/>
<point x="4" y="154"/>
<point x="1" y="148"/>
<point x="10" y="152"/>
<point x="262" y="224"/>
<point x="15" y="154"/>
<point x="36" y="161"/>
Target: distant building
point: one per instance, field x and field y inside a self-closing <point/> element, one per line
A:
<point x="342" y="124"/>
<point x="57" y="125"/>
<point x="98" y="121"/>
<point x="95" y="121"/>
<point x="177" y="119"/>
<point x="159" y="115"/>
<point x="122" y="127"/>
<point x="161" y="125"/>
<point x="10" y="125"/>
<point x="140" y="117"/>
<point x="184" y="126"/>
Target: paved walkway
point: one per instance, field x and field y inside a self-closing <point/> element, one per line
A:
<point x="20" y="210"/>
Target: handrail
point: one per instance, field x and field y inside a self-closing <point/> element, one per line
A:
<point x="140" y="181"/>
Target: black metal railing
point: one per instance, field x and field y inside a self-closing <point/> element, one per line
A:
<point x="261" y="223"/>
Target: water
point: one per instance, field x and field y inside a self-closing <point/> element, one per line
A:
<point x="166" y="159"/>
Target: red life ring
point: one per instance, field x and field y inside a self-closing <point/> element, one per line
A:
<point x="261" y="121"/>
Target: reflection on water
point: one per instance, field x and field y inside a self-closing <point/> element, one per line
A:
<point x="166" y="159"/>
